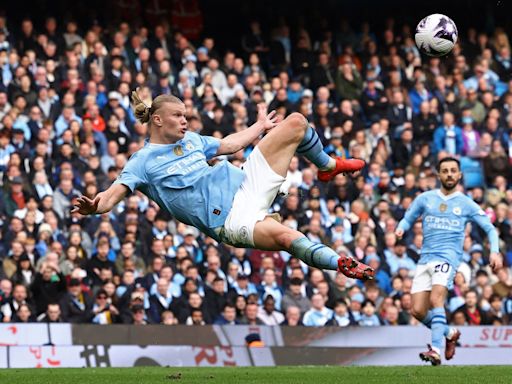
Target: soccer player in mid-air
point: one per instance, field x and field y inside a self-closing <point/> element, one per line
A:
<point x="227" y="203"/>
<point x="444" y="212"/>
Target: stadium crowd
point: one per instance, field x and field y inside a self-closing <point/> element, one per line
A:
<point x="66" y="129"/>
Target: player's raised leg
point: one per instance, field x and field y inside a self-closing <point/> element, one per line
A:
<point x="294" y="134"/>
<point x="278" y="147"/>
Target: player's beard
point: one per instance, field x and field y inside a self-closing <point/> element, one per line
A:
<point x="450" y="186"/>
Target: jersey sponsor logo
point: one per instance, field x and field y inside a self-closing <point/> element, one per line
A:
<point x="457" y="211"/>
<point x="434" y="222"/>
<point x="178" y="150"/>
<point x="188" y="164"/>
<point x="443" y="207"/>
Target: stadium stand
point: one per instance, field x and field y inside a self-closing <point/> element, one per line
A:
<point x="66" y="129"/>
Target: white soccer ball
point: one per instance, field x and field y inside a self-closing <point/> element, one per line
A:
<point x="436" y="35"/>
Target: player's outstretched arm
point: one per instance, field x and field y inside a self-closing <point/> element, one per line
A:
<point x="103" y="202"/>
<point x="237" y="141"/>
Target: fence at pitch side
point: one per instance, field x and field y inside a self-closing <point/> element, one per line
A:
<point x="67" y="345"/>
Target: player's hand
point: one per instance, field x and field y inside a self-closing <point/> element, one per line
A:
<point x="495" y="261"/>
<point x="86" y="206"/>
<point x="267" y="120"/>
<point x="399" y="233"/>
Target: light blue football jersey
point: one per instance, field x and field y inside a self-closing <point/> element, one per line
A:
<point x="444" y="220"/>
<point x="178" y="178"/>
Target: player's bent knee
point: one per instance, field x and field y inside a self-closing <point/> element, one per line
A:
<point x="418" y="313"/>
<point x="437" y="299"/>
<point x="298" y="124"/>
<point x="283" y="240"/>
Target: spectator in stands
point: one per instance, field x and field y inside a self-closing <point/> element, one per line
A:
<point x="472" y="311"/>
<point x="11" y="306"/>
<point x="448" y="137"/>
<point x="368" y="316"/>
<point x="270" y="287"/>
<point x="160" y="301"/>
<point x="295" y="297"/>
<point x="293" y="317"/>
<point x="319" y="314"/>
<point x="138" y="315"/>
<point x="268" y="314"/>
<point x="168" y="318"/>
<point x="75" y="304"/>
<point x="391" y="316"/>
<point x="103" y="312"/>
<point x="341" y="316"/>
<point x="52" y="314"/>
<point x="49" y="285"/>
<point x="228" y="316"/>
<point x="216" y="298"/>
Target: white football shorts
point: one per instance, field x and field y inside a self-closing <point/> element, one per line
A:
<point x="252" y="201"/>
<point x="433" y="273"/>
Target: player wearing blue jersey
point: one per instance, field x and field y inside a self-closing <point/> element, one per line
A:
<point x="444" y="213"/>
<point x="225" y="202"/>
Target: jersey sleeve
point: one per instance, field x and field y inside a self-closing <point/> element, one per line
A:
<point x="133" y="174"/>
<point x="478" y="216"/>
<point x="210" y="146"/>
<point x="413" y="212"/>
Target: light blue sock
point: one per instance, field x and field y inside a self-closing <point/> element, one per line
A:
<point x="439" y="327"/>
<point x="312" y="148"/>
<point x="314" y="254"/>
<point x="427" y="320"/>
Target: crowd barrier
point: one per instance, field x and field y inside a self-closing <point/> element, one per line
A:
<point x="84" y="345"/>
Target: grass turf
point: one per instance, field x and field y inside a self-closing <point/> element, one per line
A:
<point x="271" y="375"/>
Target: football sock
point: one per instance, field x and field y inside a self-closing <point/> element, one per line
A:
<point x="314" y="254"/>
<point x="427" y="320"/>
<point x="312" y="148"/>
<point x="439" y="327"/>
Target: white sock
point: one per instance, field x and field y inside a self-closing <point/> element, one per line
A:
<point x="330" y="165"/>
<point x="435" y="349"/>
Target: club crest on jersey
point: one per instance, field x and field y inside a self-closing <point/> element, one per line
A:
<point x="178" y="150"/>
<point x="457" y="211"/>
<point x="189" y="146"/>
<point x="443" y="207"/>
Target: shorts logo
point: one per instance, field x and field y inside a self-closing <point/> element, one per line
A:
<point x="216" y="212"/>
<point x="457" y="211"/>
<point x="189" y="146"/>
<point x="243" y="233"/>
<point x="178" y="151"/>
<point x="443" y="207"/>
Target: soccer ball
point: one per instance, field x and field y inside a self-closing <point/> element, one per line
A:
<point x="436" y="35"/>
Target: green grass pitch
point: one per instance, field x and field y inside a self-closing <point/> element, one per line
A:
<point x="272" y="375"/>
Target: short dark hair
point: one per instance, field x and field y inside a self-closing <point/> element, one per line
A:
<point x="340" y="301"/>
<point x="445" y="160"/>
